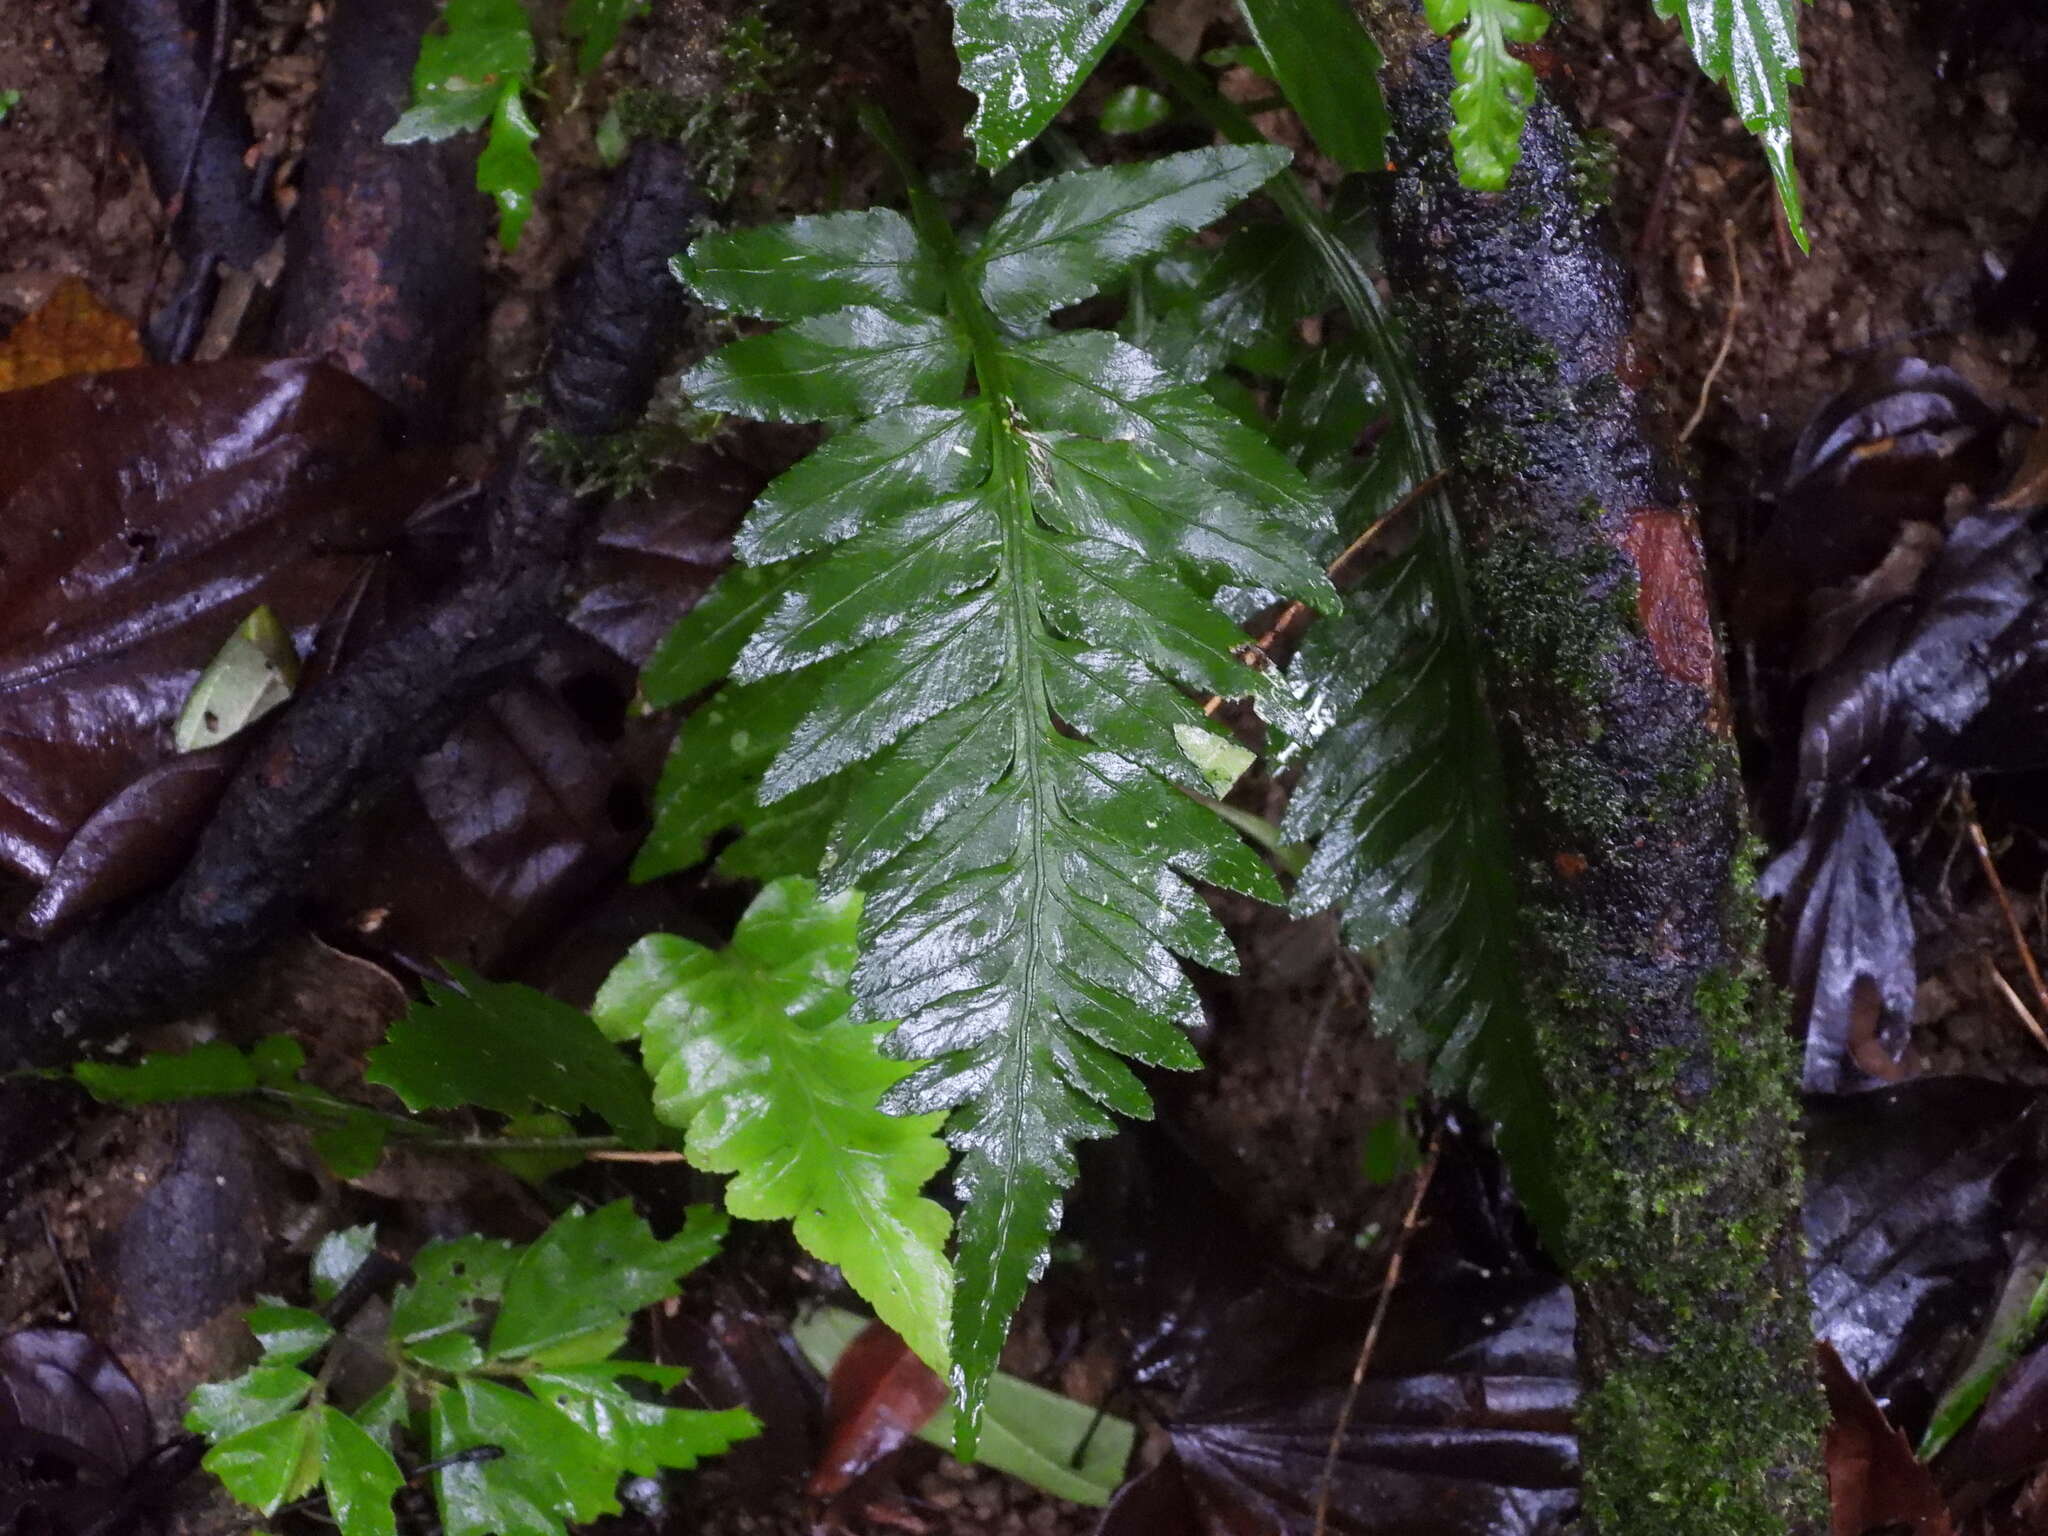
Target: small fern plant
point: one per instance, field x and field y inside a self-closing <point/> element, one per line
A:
<point x="962" y="647"/>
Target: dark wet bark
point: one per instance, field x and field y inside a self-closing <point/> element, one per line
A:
<point x="1663" y="1044"/>
<point x="384" y="254"/>
<point x="162" y="53"/>
<point x="355" y="735"/>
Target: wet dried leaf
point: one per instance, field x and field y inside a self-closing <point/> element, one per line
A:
<point x="878" y="1397"/>
<point x="1874" y="1481"/>
<point x="143" y="514"/>
<point x="70" y="332"/>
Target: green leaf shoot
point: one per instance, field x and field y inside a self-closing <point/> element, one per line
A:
<point x="1752" y="48"/>
<point x="1133" y="109"/>
<point x="1329" y="67"/>
<point x="512" y="1049"/>
<point x="473" y="73"/>
<point x="1024" y="59"/>
<point x="992" y="603"/>
<point x="497" y="1349"/>
<point x="756" y="1057"/>
<point x="1492" y="90"/>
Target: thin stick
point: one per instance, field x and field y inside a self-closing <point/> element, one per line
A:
<point x="216" y="67"/>
<point x="2012" y="921"/>
<point x="1259" y="653"/>
<point x="2012" y="999"/>
<point x="1372" y="1332"/>
<point x="633" y="1157"/>
<point x="1727" y="332"/>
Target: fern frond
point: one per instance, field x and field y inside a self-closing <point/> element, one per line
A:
<point x="1492" y="91"/>
<point x="989" y="605"/>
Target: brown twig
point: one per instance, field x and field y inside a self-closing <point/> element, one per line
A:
<point x="1409" y="1223"/>
<point x="1727" y="332"/>
<point x="1259" y="654"/>
<point x="2012" y="1000"/>
<point x="1653" y="216"/>
<point x="2012" y="921"/>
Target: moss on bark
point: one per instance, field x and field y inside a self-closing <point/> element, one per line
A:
<point x="1662" y="1041"/>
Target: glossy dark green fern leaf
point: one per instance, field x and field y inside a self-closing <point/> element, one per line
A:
<point x="970" y="625"/>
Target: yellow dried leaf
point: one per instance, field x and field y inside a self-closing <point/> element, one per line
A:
<point x="71" y="332"/>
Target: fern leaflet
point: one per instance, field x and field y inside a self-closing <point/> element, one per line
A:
<point x="1490" y="100"/>
<point x="965" y="621"/>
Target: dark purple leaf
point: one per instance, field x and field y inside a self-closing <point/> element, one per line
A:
<point x="143" y="514"/>
<point x="62" y="1383"/>
<point x="1909" y="1194"/>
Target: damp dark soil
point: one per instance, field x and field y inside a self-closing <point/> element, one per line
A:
<point x="1922" y="169"/>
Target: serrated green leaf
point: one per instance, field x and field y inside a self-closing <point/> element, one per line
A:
<point x="1490" y="101"/>
<point x="1065" y="239"/>
<point x="754" y="1054"/>
<point x="455" y="1286"/>
<point x="815" y="265"/>
<point x="851" y="362"/>
<point x="338" y="1257"/>
<point x="1023" y="59"/>
<point x="253" y="673"/>
<point x="288" y="1334"/>
<point x="272" y="1463"/>
<point x="551" y="1472"/>
<point x="1031" y="889"/>
<point x="512" y="1049"/>
<point x="1752" y="48"/>
<point x="475" y="72"/>
<point x="594" y="26"/>
<point x="221" y="1410"/>
<point x="638" y="1436"/>
<point x="549" y="1306"/>
<point x="361" y="1478"/>
<point x="213" y="1070"/>
<point x="1329" y="66"/>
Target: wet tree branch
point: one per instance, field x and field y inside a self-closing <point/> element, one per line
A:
<point x="1663" y="1043"/>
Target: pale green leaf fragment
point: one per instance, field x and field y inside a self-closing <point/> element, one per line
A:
<point x="757" y="1057"/>
<point x="1133" y="109"/>
<point x="1490" y="99"/>
<point x="1030" y="1433"/>
<point x="253" y="673"/>
<point x="1023" y="59"/>
<point x="1222" y="761"/>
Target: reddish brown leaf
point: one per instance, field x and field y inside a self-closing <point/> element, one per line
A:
<point x="1874" y="1480"/>
<point x="879" y="1396"/>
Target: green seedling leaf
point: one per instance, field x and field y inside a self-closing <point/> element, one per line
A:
<point x="339" y="1256"/>
<point x="1030" y="1433"/>
<point x="640" y="1436"/>
<point x="288" y="1334"/>
<point x="551" y="1471"/>
<point x="251" y="675"/>
<point x="538" y="1167"/>
<point x="1024" y="59"/>
<point x="755" y="1056"/>
<point x="551" y="1312"/>
<point x="1752" y="48"/>
<point x="475" y="72"/>
<point x="1329" y="66"/>
<point x="1020" y="594"/>
<point x="456" y="1285"/>
<point x="221" y="1410"/>
<point x="1133" y="109"/>
<point x="594" y="26"/>
<point x="1490" y="101"/>
<point x="361" y="1477"/>
<point x="512" y="1049"/>
<point x="9" y="100"/>
<point x="215" y="1070"/>
<point x="272" y="1463"/>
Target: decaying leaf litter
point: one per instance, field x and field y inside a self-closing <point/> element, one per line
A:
<point x="1250" y="1121"/>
